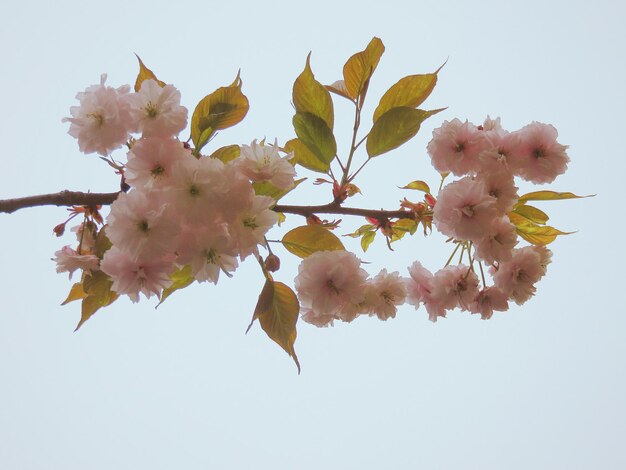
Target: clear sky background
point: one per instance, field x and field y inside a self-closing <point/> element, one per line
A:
<point x="541" y="386"/>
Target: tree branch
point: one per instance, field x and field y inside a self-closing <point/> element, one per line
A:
<point x="62" y="198"/>
<point x="77" y="198"/>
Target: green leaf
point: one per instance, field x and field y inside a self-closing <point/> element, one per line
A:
<point x="306" y="240"/>
<point x="76" y="293"/>
<point x="265" y="188"/>
<point x="316" y="136"/>
<point x="367" y="239"/>
<point x="310" y="96"/>
<point x="418" y="185"/>
<point x="304" y="157"/>
<point x="181" y="278"/>
<point x="222" y="109"/>
<point x="531" y="213"/>
<point x="227" y="153"/>
<point x="145" y="74"/>
<point x="548" y="196"/>
<point x="359" y="68"/>
<point x="277" y="311"/>
<point x="97" y="287"/>
<point x="394" y="128"/>
<point x="410" y="92"/>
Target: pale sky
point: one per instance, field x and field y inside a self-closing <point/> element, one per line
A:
<point x="541" y="386"/>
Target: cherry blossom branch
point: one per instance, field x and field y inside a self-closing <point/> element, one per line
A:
<point x="77" y="198"/>
<point x="62" y="198"/>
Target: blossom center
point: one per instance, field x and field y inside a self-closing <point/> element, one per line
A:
<point x="143" y="226"/>
<point x="211" y="256"/>
<point x="468" y="210"/>
<point x="151" y="110"/>
<point x="250" y="222"/>
<point x="97" y="117"/>
<point x="157" y="171"/>
<point x="331" y="285"/>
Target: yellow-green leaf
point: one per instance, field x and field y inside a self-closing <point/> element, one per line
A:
<point x="265" y="188"/>
<point x="316" y="136"/>
<point x="223" y="108"/>
<point x="418" y="185"/>
<point x="532" y="213"/>
<point x="102" y="243"/>
<point x="394" y="128"/>
<point x="277" y="311"/>
<point x="548" y="196"/>
<point x="227" y="153"/>
<point x="97" y="287"/>
<point x="359" y="68"/>
<point x="76" y="293"/>
<point x="533" y="233"/>
<point x="145" y="74"/>
<point x="403" y="226"/>
<point x="361" y="230"/>
<point x="306" y="240"/>
<point x="181" y="278"/>
<point x="367" y="239"/>
<point x="339" y="88"/>
<point x="410" y="92"/>
<point x="303" y="156"/>
<point x="310" y="96"/>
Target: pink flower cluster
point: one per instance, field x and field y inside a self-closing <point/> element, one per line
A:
<point x="473" y="211"/>
<point x="332" y="286"/>
<point x="181" y="210"/>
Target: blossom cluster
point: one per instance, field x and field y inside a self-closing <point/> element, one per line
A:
<point x="473" y="212"/>
<point x="181" y="209"/>
<point x="332" y="286"/>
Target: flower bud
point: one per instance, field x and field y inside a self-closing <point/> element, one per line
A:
<point x="272" y="263"/>
<point x="59" y="230"/>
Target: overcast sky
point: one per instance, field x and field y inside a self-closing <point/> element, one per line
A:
<point x="540" y="386"/>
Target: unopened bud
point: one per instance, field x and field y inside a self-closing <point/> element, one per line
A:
<point x="272" y="263"/>
<point x="59" y="230"/>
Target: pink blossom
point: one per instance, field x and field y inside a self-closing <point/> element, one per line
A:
<point x="464" y="209"/>
<point x="102" y="121"/>
<point x="542" y="157"/>
<point x="419" y="285"/>
<point x="488" y="300"/>
<point x="142" y="224"/>
<point x="502" y="154"/>
<point x="455" y="147"/>
<point x="209" y="250"/>
<point x="452" y="286"/>
<point x="261" y="162"/>
<point x="328" y="281"/>
<point x="157" y="111"/>
<point x="252" y="224"/>
<point x="132" y="276"/>
<point x="69" y="260"/>
<point x="498" y="243"/>
<point x="517" y="277"/>
<point x="196" y="187"/>
<point x="151" y="159"/>
<point x="384" y="293"/>
<point x="501" y="186"/>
